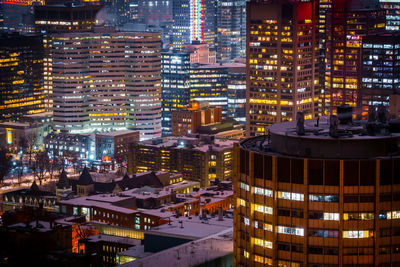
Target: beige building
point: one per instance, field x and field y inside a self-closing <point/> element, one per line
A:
<point x="100" y="83"/>
<point x="200" y="53"/>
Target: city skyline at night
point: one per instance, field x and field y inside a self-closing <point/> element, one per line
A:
<point x="200" y="133"/>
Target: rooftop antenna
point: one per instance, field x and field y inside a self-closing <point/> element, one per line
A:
<point x="300" y="123"/>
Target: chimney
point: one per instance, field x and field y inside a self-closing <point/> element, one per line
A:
<point x="203" y="214"/>
<point x="220" y="217"/>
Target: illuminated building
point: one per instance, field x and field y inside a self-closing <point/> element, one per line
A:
<point x="181" y="23"/>
<point x="21" y="76"/>
<point x="184" y="82"/>
<point x="347" y="23"/>
<point x="187" y="120"/>
<point x="323" y="7"/>
<point x="231" y="29"/>
<point x="81" y="146"/>
<point x="193" y="20"/>
<point x="282" y="63"/>
<point x="21" y="134"/>
<point x="380" y="69"/>
<point x="236" y="86"/>
<point x="29" y="197"/>
<point x="208" y="83"/>
<point x="200" y="53"/>
<point x="60" y="18"/>
<point x="317" y="200"/>
<point x="196" y="159"/>
<point x="392" y="8"/>
<point x="175" y="85"/>
<point x="100" y="82"/>
<point x="114" y="145"/>
<point x="155" y="12"/>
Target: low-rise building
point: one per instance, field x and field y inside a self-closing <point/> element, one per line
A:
<point x="197" y="158"/>
<point x="71" y="145"/>
<point x="29" y="197"/>
<point x="18" y="135"/>
<point x="188" y="120"/>
<point x="114" y="145"/>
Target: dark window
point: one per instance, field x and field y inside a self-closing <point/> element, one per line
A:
<point x="350" y="198"/>
<point x="350" y="175"/>
<point x="396" y="171"/>
<point x="283" y="212"/>
<point x="258" y="165"/>
<point x="331" y="251"/>
<point x="332" y="172"/>
<point x="297" y="248"/>
<point x="386" y="172"/>
<point x="297" y="167"/>
<point x="244" y="162"/>
<point x="367" y="172"/>
<point x="315" y="250"/>
<point x="298" y="213"/>
<point x="315" y="172"/>
<point x="316" y="215"/>
<point x="367" y="198"/>
<point x="384" y="197"/>
<point x="396" y="196"/>
<point x="284" y="246"/>
<point x="284" y="170"/>
<point x="267" y="167"/>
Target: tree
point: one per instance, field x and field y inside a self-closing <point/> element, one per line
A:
<point x="5" y="163"/>
<point x="40" y="166"/>
<point x="54" y="167"/>
<point x="27" y="144"/>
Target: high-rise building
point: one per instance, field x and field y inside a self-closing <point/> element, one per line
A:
<point x="181" y="23"/>
<point x="236" y="86"/>
<point x="392" y="8"/>
<point x="282" y="63"/>
<point x="208" y="83"/>
<point x="347" y="23"/>
<point x="58" y="18"/>
<point x="21" y="76"/>
<point x="324" y="7"/>
<point x="193" y="21"/>
<point x="327" y="198"/>
<point x="380" y="69"/>
<point x="107" y="80"/>
<point x="231" y="29"/>
<point x="183" y="82"/>
<point x="175" y="85"/>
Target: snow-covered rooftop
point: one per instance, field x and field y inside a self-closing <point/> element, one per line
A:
<point x="190" y="254"/>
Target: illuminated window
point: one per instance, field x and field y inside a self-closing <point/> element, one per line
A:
<point x="331" y="216"/>
<point x="263" y="209"/>
<point x="9" y="137"/>
<point x="290" y="230"/>
<point x="262" y="243"/>
<point x="262" y="191"/>
<point x="358" y="234"/>
<point x="245" y="186"/>
<point x="246" y="254"/>
<point x="291" y="196"/>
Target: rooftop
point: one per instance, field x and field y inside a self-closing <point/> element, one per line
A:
<point x="117" y="133"/>
<point x="329" y="138"/>
<point x="192" y="227"/>
<point x="191" y="254"/>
